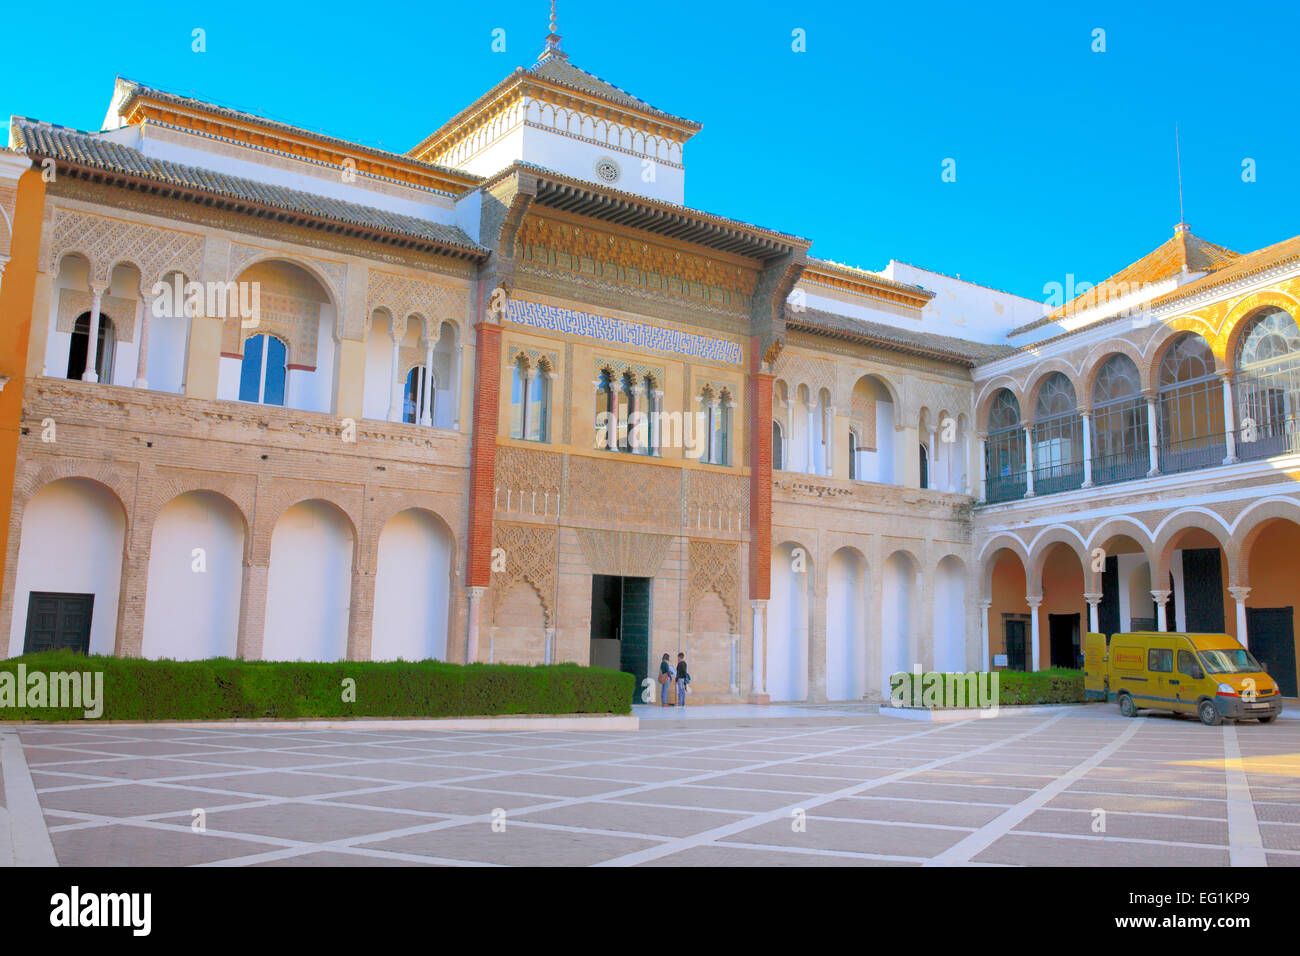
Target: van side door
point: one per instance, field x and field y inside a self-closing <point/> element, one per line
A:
<point x="1161" y="676"/>
<point x="1188" y="680"/>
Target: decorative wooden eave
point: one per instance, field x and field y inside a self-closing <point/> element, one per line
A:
<point x="861" y="282"/>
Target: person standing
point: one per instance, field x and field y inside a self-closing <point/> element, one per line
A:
<point x="683" y="678"/>
<point x="665" y="678"/>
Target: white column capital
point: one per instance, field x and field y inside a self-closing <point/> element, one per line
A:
<point x="1034" y="601"/>
<point x="1239" y="593"/>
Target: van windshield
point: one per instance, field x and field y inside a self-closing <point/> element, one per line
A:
<point x="1227" y="660"/>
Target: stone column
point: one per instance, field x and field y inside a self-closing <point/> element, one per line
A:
<point x="1161" y="597"/>
<point x="530" y="382"/>
<point x="1229" y="419"/>
<point x="1034" y="601"/>
<point x="759" y="693"/>
<point x="735" y="660"/>
<point x="548" y="654"/>
<point x="361" y="615"/>
<point x="933" y="476"/>
<point x="1239" y="595"/>
<point x="1094" y="621"/>
<point x="1087" y="447"/>
<point x="92" y="341"/>
<point x="985" y="660"/>
<point x="656" y="425"/>
<point x="828" y="433"/>
<point x="142" y="357"/>
<point x="1153" y="445"/>
<point x="455" y="387"/>
<point x="983" y="466"/>
<point x="475" y="595"/>
<point x="395" y="392"/>
<point x="252" y="612"/>
<point x="812" y="448"/>
<point x="1029" y="464"/>
<point x="426" y="417"/>
<point x="129" y="641"/>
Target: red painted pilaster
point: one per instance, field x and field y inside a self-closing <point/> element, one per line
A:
<point x="483" y="453"/>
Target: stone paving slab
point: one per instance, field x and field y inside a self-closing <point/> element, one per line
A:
<point x="702" y="787"/>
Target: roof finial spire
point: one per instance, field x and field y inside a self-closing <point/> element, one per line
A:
<point x="552" y="39"/>
<point x="1178" y="158"/>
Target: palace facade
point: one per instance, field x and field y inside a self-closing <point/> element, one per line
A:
<point x="274" y="395"/>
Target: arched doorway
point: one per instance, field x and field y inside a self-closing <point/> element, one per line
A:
<point x="309" y="584"/>
<point x="950" y="615"/>
<point x="412" y="588"/>
<point x="899" y="617"/>
<point x="69" y="569"/>
<point x="787" y="623"/>
<point x="846" y="626"/>
<point x="196" y="565"/>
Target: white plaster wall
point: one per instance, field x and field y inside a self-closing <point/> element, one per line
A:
<point x="787" y="629"/>
<point x="412" y="584"/>
<point x="575" y="158"/>
<point x="72" y="537"/>
<point x="879" y="465"/>
<point x="228" y="378"/>
<point x="314" y="391"/>
<point x="376" y="392"/>
<point x="192" y="602"/>
<point x="963" y="308"/>
<point x="950" y="616"/>
<point x="897" y="640"/>
<point x="846" y="634"/>
<point x="309" y="585"/>
<point x="169" y="340"/>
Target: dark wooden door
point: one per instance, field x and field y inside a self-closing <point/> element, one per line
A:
<point x="1202" y="591"/>
<point x="1017" y="645"/>
<point x="57" y="622"/>
<point x="1271" y="634"/>
<point x="634" y="652"/>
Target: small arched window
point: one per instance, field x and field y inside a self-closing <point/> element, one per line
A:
<point x="853" y="456"/>
<point x="1004" y="464"/>
<point x="778" y="449"/>
<point x="925" y="466"/>
<point x="1268" y="386"/>
<point x="104" y="351"/>
<point x="263" y="372"/>
<point x="417" y="397"/>
<point x="1191" y="421"/>
<point x="530" y="400"/>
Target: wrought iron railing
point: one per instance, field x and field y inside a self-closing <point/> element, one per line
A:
<point x="1065" y="476"/>
<point x="1006" y="487"/>
<point x="1277" y="436"/>
<point x="1126" y="466"/>
<point x="1190" y="454"/>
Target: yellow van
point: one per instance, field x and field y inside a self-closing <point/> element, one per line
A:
<point x="1209" y="675"/>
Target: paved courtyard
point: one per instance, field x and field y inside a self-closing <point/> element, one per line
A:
<point x="793" y="786"/>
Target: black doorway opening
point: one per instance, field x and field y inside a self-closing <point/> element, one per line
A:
<point x="1063" y="634"/>
<point x="620" y="626"/>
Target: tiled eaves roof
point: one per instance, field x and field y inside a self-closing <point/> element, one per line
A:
<point x="565" y="77"/>
<point x="1184" y="252"/>
<point x="97" y="157"/>
<point x="945" y="348"/>
<point x="631" y="210"/>
<point x="1279" y="254"/>
<point x="139" y="90"/>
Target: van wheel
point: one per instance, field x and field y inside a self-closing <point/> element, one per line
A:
<point x="1209" y="714"/>
<point x="1126" y="706"/>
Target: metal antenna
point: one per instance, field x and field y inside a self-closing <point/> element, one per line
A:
<point x="1178" y="157"/>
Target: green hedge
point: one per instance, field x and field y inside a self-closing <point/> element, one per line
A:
<point x="1059" y="685"/>
<point x="222" y="688"/>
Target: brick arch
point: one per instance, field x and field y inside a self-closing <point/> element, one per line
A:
<point x="1041" y="373"/>
<point x="1100" y="355"/>
<point x="169" y="489"/>
<point x="267" y="518"/>
<point x="378" y="518"/>
<point x="1251" y="523"/>
<point x="1161" y="341"/>
<point x="1235" y="322"/>
<point x="1185" y="520"/>
<point x="985" y="400"/>
<point x="1043" y="543"/>
<point x="116" y="480"/>
<point x="1004" y="541"/>
<point x="1128" y="527"/>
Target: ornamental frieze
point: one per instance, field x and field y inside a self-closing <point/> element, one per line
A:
<point x="635" y="262"/>
<point x="106" y="242"/>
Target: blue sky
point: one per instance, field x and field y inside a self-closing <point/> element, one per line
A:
<point x="1064" y="157"/>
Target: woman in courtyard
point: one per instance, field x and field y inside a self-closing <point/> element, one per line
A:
<point x="666" y="675"/>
